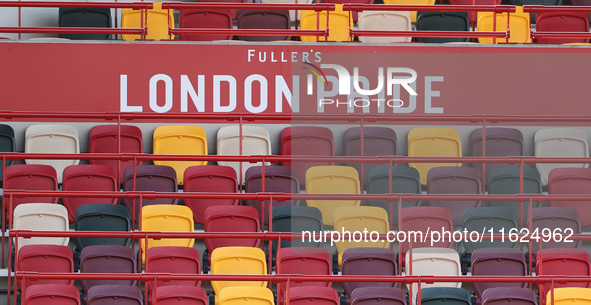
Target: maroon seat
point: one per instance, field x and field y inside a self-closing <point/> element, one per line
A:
<point x="104" y="139"/>
<point x="497" y="261"/>
<point x="307" y="141"/>
<point x="422" y="218"/>
<point x="302" y="260"/>
<point x="313" y="295"/>
<point x="377" y="141"/>
<point x="278" y="179"/>
<point x="368" y="261"/>
<point x="114" y="295"/>
<point x="378" y="295"/>
<point x="203" y="18"/>
<point x="155" y="178"/>
<point x="50" y="294"/>
<point x="454" y="180"/>
<point x="582" y="3"/>
<point x="509" y="296"/>
<point x="555" y="218"/>
<point x="172" y="259"/>
<point x="572" y="181"/>
<point x="562" y="261"/>
<point x="43" y="259"/>
<point x="29" y="177"/>
<point x="264" y="20"/>
<point x="88" y="177"/>
<point x="472" y="16"/>
<point x="500" y="142"/>
<point x="209" y="178"/>
<point x="233" y="12"/>
<point x="562" y="22"/>
<point x="177" y="295"/>
<point x="107" y="259"/>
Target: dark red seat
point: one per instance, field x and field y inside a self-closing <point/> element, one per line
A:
<point x="114" y="295"/>
<point x="509" y="296"/>
<point x="421" y="218"/>
<point x="454" y="180"/>
<point x="555" y="218"/>
<point x="573" y="181"/>
<point x="172" y="259"/>
<point x="264" y="20"/>
<point x="233" y="12"/>
<point x="378" y="295"/>
<point x="209" y="178"/>
<point x="306" y="141"/>
<point x="88" y="177"/>
<point x="52" y="294"/>
<point x="500" y="142"/>
<point x="177" y="295"/>
<point x="107" y="259"/>
<point x="155" y="178"/>
<point x="313" y="295"/>
<point x="204" y="18"/>
<point x="565" y="262"/>
<point x="29" y="177"/>
<point x="43" y="259"/>
<point x="105" y="139"/>
<point x="368" y="261"/>
<point x="278" y="179"/>
<point x="302" y="260"/>
<point x="377" y="141"/>
<point x="562" y="22"/>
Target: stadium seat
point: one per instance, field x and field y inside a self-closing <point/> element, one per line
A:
<point x="379" y="295"/>
<point x="107" y="259"/>
<point x="7" y="144"/>
<point x="233" y="12"/>
<point x="405" y="180"/>
<point x="297" y="219"/>
<point x="88" y="177"/>
<point x="171" y="260"/>
<point x="497" y="261"/>
<point x="58" y="139"/>
<point x="413" y="15"/>
<point x="483" y="219"/>
<point x="41" y="217"/>
<point x="204" y="18"/>
<point x="472" y="16"/>
<point x="114" y="295"/>
<point x="535" y="2"/>
<point x="306" y="141"/>
<point x="88" y="17"/>
<point x="167" y="218"/>
<point x="377" y="141"/>
<point x="152" y="178"/>
<point x="255" y="141"/>
<point x="368" y="261"/>
<point x="569" y="295"/>
<point x="302" y="260"/>
<point x="339" y="23"/>
<point x="562" y="22"/>
<point x="433" y="142"/>
<point x="502" y="295"/>
<point x="384" y="21"/>
<point x="313" y="295"/>
<point x="442" y="21"/>
<point x="263" y="20"/>
<point x="354" y="14"/>
<point x="565" y="262"/>
<point x="571" y="181"/>
<point x="421" y="218"/>
<point x="433" y="261"/>
<point x="51" y="294"/>
<point x="560" y="142"/>
<point x="209" y="178"/>
<point x="505" y="180"/>
<point x="519" y="26"/>
<point x="237" y="260"/>
<point x="102" y="217"/>
<point x="500" y="142"/>
<point x="45" y="259"/>
<point x="105" y="139"/>
<point x="582" y="3"/>
<point x="245" y="295"/>
<point x="332" y="180"/>
<point x="445" y="296"/>
<point x="158" y="22"/>
<point x="555" y="218"/>
<point x="180" y="140"/>
<point x="292" y="16"/>
<point x="29" y="177"/>
<point x="278" y="179"/>
<point x="175" y="295"/>
<point x="454" y="180"/>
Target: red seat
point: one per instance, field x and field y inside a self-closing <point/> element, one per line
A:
<point x="107" y="259"/>
<point x="88" y="177"/>
<point x="43" y="259"/>
<point x="172" y="259"/>
<point x="307" y="141"/>
<point x="263" y="20"/>
<point x="202" y="18"/>
<point x="302" y="260"/>
<point x="177" y="295"/>
<point x="562" y="22"/>
<point x="377" y="141"/>
<point x="420" y="219"/>
<point x="105" y="139"/>
<point x="29" y="177"/>
<point x="562" y="261"/>
<point x="313" y="295"/>
<point x="155" y="178"/>
<point x="209" y="178"/>
<point x="569" y="180"/>
<point x="500" y="142"/>
<point x="50" y="294"/>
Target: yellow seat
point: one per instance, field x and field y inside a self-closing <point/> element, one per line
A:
<point x="166" y="218"/>
<point x="237" y="260"/>
<point x="339" y="24"/>
<point x="246" y="295"/>
<point x="570" y="296"/>
<point x="332" y="180"/>
<point x="158" y="21"/>
<point x="518" y="26"/>
<point x="433" y="142"/>
<point x="180" y="140"/>
<point x="413" y="15"/>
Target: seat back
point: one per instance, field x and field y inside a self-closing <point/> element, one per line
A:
<point x="302" y="260"/>
<point x="30" y="177"/>
<point x="569" y="295"/>
<point x="114" y="295"/>
<point x="519" y="26"/>
<point x="292" y="16"/>
<point x="158" y="21"/>
<point x="433" y="142"/>
<point x="306" y="141"/>
<point x="332" y="180"/>
<point x="582" y="3"/>
<point x="419" y="219"/>
<point x="173" y="260"/>
<point x="51" y="138"/>
<point x="262" y="20"/>
<point x="209" y="178"/>
<point x="174" y="295"/>
<point x="87" y="18"/>
<point x="7" y="144"/>
<point x="497" y="261"/>
<point x="472" y="16"/>
<point x="384" y="21"/>
<point x="316" y="295"/>
<point x="442" y="21"/>
<point x="559" y="142"/>
<point x="205" y="18"/>
<point x="413" y="15"/>
<point x="52" y="294"/>
<point x="445" y="296"/>
<point x="107" y="259"/>
<point x="535" y="2"/>
<point x="180" y="140"/>
<point x="570" y="180"/>
<point x="238" y="260"/>
<point x="565" y="262"/>
<point x="383" y="295"/>
<point x="255" y="139"/>
<point x="233" y="218"/>
<point x="483" y="218"/>
<point x="45" y="259"/>
<point x="433" y="261"/>
<point x="298" y="219"/>
<point x="502" y="295"/>
<point x="154" y="178"/>
<point x="500" y="142"/>
<point x="377" y="141"/>
<point x="554" y="218"/>
<point x="354" y="14"/>
<point x="167" y="218"/>
<point x="360" y="219"/>
<point x="102" y="217"/>
<point x="339" y="23"/>
<point x="41" y="217"/>
<point x="245" y="295"/>
<point x="368" y="261"/>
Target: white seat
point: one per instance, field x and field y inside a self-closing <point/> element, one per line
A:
<point x="41" y="217"/>
<point x="255" y="141"/>
<point x="560" y="142"/>
<point x="384" y="21"/>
